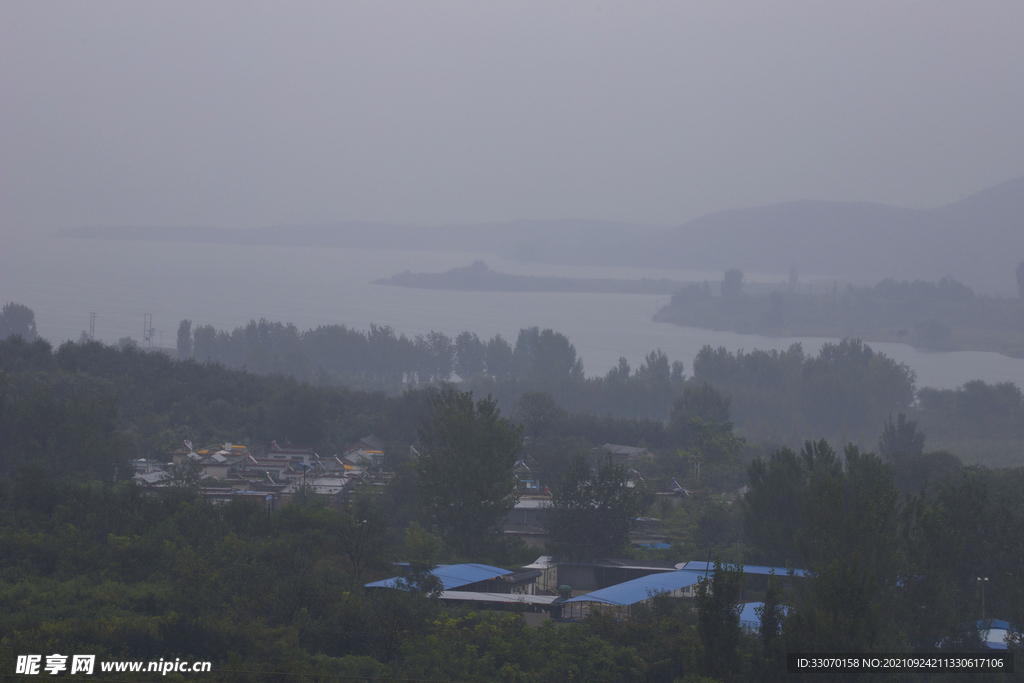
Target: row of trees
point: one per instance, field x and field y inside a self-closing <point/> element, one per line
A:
<point x="337" y="353"/>
<point x="844" y="393"/>
<point x="892" y="572"/>
<point x="540" y="360"/>
<point x="926" y="314"/>
<point x="976" y="409"/>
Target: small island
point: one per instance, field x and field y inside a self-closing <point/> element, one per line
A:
<point x="478" y="277"/>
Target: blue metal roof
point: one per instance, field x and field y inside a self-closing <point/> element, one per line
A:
<point x="452" y="575"/>
<point x="638" y="590"/>
<point x="695" y="566"/>
<point x="995" y="632"/>
<point x="748" y="617"/>
<point x="993" y="623"/>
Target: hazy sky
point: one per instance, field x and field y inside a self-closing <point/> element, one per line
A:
<point x="254" y="113"/>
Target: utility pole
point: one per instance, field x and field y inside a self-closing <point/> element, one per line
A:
<point x="92" y="327"/>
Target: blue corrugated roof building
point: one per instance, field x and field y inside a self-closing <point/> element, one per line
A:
<point x="452" y="576"/>
<point x="995" y="633"/>
<point x="638" y="590"/>
<point x="750" y="618"/>
<point x="621" y="597"/>
<point x="747" y="569"/>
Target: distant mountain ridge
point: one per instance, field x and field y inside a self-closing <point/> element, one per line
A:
<point x="979" y="239"/>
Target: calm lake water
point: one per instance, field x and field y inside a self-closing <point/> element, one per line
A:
<point x="64" y="280"/>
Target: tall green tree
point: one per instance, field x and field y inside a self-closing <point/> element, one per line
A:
<point x="771" y="509"/>
<point x="17" y="319"/>
<point x="467" y="452"/>
<point x="593" y="512"/>
<point x="698" y="402"/>
<point x="184" y="339"/>
<point x="498" y="357"/>
<point x="850" y="541"/>
<point x="718" y="621"/>
<point x="470" y="355"/>
<point x="772" y="613"/>
<point x="699" y="420"/>
<point x="538" y="412"/>
<point x="900" y="439"/>
<point x="546" y="358"/>
<point x="732" y="282"/>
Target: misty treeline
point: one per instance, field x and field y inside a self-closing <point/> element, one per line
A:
<point x="975" y="410"/>
<point x="88" y="407"/>
<point x="939" y="315"/>
<point x="381" y="359"/>
<point x="846" y="391"/>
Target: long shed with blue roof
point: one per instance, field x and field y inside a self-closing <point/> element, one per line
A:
<point x="452" y="576"/>
<point x="619" y="599"/>
<point x="747" y="569"/>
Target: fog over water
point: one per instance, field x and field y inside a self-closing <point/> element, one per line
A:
<point x="64" y="280"/>
<point x="233" y="114"/>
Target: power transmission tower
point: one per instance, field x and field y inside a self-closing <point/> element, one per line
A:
<point x="147" y="330"/>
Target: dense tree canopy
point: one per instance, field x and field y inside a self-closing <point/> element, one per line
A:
<point x="900" y="439"/>
<point x="593" y="510"/>
<point x="467" y="451"/>
<point x="17" y="319"/>
<point x="732" y="283"/>
<point x="938" y="315"/>
<point x="90" y="563"/>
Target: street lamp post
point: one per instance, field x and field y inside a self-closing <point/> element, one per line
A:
<point x="983" y="580"/>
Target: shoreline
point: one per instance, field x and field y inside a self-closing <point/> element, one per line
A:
<point x="981" y="342"/>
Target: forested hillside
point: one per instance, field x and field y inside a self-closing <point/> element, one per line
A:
<point x="89" y="563"/>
